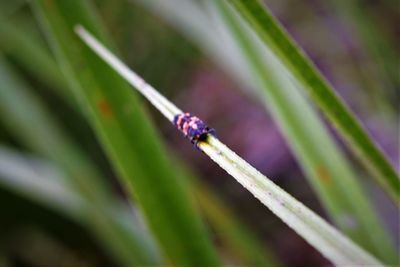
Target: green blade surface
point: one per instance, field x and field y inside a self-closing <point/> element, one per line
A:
<point x="127" y="135"/>
<point x="32" y="124"/>
<point x="275" y="37"/>
<point x="326" y="167"/>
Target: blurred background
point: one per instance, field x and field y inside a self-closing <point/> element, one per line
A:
<point x="354" y="44"/>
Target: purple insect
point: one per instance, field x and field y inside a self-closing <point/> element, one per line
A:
<point x="192" y="127"/>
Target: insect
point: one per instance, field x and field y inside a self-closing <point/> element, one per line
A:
<point x="192" y="127"/>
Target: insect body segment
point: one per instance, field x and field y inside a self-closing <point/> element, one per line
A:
<point x="192" y="127"/>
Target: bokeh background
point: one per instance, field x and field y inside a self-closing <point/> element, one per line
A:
<point x="356" y="58"/>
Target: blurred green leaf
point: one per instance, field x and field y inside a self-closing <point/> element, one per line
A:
<point x="327" y="240"/>
<point x="377" y="64"/>
<point x="18" y="39"/>
<point x="367" y="28"/>
<point x="327" y="168"/>
<point x="36" y="179"/>
<point x="276" y="38"/>
<point x="29" y="121"/>
<point x="7" y="8"/>
<point x="126" y="135"/>
<point x="323" y="162"/>
<point x="235" y="236"/>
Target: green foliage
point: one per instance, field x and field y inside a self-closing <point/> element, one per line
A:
<point x="55" y="166"/>
<point x="127" y="136"/>
<point x="241" y="241"/>
<point x="326" y="167"/>
<point x="321" y="92"/>
<point x="327" y="240"/>
<point x="33" y="125"/>
<point x="14" y="44"/>
<point x="249" y="61"/>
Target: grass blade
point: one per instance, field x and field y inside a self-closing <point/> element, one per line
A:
<point x="319" y="89"/>
<point x="235" y="236"/>
<point x="127" y="136"/>
<point x="18" y="39"/>
<point x="326" y="239"/>
<point x="27" y="118"/>
<point x="237" y="240"/>
<point x="232" y="232"/>
<point x="43" y="183"/>
<point x="39" y="181"/>
<point x="327" y="169"/>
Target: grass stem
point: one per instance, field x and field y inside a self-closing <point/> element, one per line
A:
<point x="316" y="231"/>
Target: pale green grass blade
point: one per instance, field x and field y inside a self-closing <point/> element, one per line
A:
<point x="127" y="136"/>
<point x="327" y="240"/>
<point x="324" y="164"/>
<point x="42" y="183"/>
<point x="38" y="181"/>
<point x="275" y="37"/>
<point x="243" y="244"/>
<point x="326" y="167"/>
<point x="26" y="117"/>
<point x="236" y="238"/>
